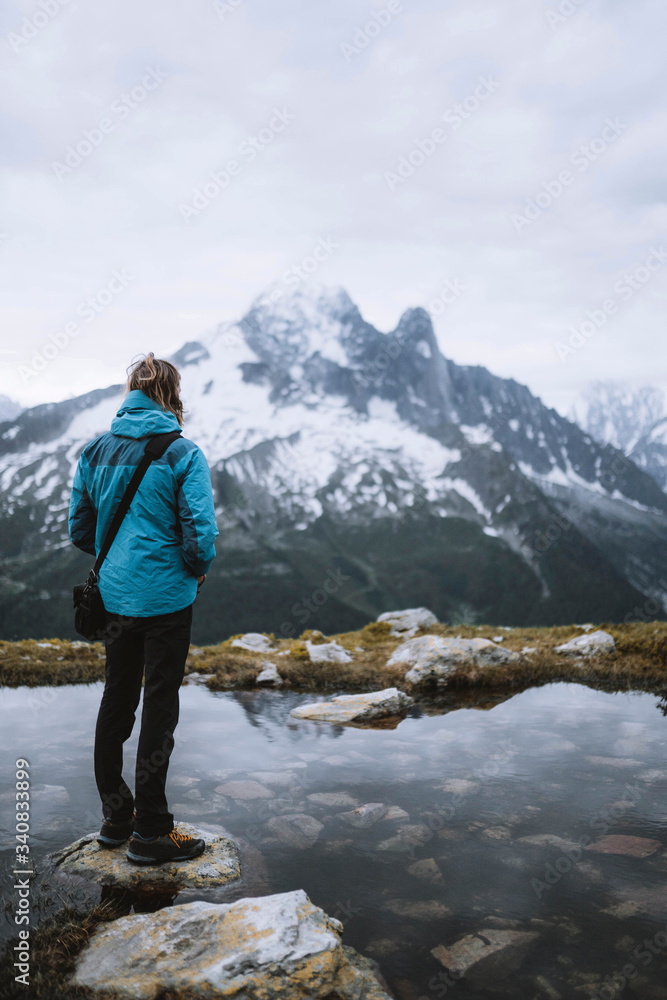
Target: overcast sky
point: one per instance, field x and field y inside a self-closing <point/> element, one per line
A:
<point x="318" y="103"/>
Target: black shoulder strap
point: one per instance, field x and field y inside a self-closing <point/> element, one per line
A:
<point x="155" y="448"/>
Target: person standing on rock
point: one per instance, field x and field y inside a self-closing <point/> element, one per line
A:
<point x="148" y="583"/>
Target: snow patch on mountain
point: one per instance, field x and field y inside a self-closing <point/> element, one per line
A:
<point x="634" y="420"/>
<point x="305" y="411"/>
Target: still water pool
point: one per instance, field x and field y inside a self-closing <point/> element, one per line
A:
<point x="545" y="814"/>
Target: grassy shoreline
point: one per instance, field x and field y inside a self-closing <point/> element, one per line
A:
<point x="638" y="664"/>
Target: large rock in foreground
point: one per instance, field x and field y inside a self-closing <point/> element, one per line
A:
<point x="591" y="644"/>
<point x="356" y="707"/>
<point x="407" y="623"/>
<point x="278" y="946"/>
<point x="433" y="657"/>
<point x="218" y="865"/>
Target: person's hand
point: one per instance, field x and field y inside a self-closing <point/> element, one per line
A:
<point x="200" y="579"/>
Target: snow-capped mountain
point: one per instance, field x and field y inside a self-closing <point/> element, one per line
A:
<point x="633" y="420"/>
<point x="355" y="472"/>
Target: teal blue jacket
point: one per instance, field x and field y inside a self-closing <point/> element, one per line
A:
<point x="167" y="538"/>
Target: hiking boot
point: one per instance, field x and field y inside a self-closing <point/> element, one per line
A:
<point x="115" y="834"/>
<point x="172" y="846"/>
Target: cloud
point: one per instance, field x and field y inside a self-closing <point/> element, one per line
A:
<point x="226" y="73"/>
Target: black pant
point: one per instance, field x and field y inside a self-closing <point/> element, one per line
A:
<point x="159" y="643"/>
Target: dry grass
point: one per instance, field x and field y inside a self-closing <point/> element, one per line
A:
<point x="639" y="663"/>
<point x="50" y="661"/>
<point x="54" y="947"/>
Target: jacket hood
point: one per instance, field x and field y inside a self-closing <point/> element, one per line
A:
<point x="140" y="416"/>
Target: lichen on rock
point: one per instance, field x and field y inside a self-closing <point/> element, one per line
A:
<point x="217" y="866"/>
<point x="590" y="644"/>
<point x="278" y="947"/>
<point x="328" y="652"/>
<point x="434" y="657"/>
<point x="408" y="622"/>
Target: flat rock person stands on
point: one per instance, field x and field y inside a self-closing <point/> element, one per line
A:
<point x="148" y="582"/>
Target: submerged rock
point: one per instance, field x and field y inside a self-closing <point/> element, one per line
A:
<point x="407" y="836"/>
<point x="459" y="786"/>
<point x="592" y="644"/>
<point x="427" y="869"/>
<point x="244" y="790"/>
<point x="278" y="946"/>
<point x="332" y="799"/>
<point x="395" y="812"/>
<point x="486" y="956"/>
<point x="549" y="840"/>
<point x="296" y="829"/>
<point x="218" y="865"/>
<point x="255" y="642"/>
<point x="269" y="674"/>
<point x="364" y="816"/>
<point x="356" y="707"/>
<point x="635" y="847"/>
<point x="327" y="652"/>
<point x="407" y="623"/>
<point x="435" y="657"/>
<point x="418" y="909"/>
<point x="280" y="779"/>
<point x="641" y="899"/>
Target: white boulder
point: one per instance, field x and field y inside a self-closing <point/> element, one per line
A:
<point x="591" y="644"/>
<point x="436" y="657"/>
<point x="279" y="947"/>
<point x="269" y="674"/>
<point x="327" y="652"/>
<point x="407" y="623"/>
<point x="255" y="642"/>
<point x="356" y="707"/>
